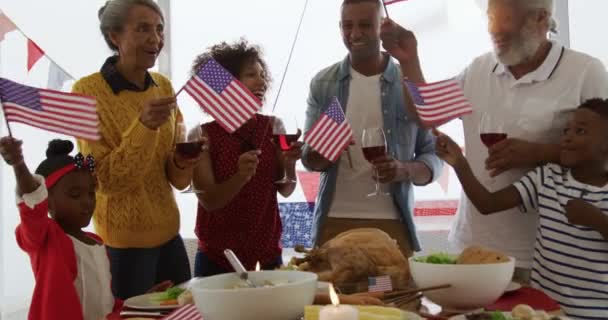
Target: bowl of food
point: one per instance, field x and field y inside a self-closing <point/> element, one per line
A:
<point x="278" y="295"/>
<point x="478" y="277"/>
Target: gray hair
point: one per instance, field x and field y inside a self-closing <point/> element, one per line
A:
<point x="547" y="5"/>
<point x="113" y="16"/>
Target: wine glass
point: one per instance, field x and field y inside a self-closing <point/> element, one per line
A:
<point x="373" y="143"/>
<point x="285" y="132"/>
<point x="491" y="130"/>
<point x="189" y="145"/>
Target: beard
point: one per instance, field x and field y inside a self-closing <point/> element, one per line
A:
<point x="523" y="47"/>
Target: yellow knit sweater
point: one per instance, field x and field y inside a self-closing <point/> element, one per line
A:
<point x="136" y="207"/>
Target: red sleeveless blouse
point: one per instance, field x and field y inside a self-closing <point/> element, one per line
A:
<point x="250" y="224"/>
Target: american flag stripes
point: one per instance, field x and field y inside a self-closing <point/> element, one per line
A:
<point x="65" y="113"/>
<point x="222" y="96"/>
<point x="379" y="284"/>
<point x="439" y="102"/>
<point x="187" y="312"/>
<point x="331" y="134"/>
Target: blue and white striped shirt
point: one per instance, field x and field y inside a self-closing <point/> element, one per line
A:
<point x="570" y="262"/>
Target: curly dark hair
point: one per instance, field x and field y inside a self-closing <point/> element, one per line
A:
<point x="234" y="57"/>
<point x="597" y="105"/>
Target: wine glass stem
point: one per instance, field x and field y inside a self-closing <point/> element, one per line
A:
<point x="377" y="180"/>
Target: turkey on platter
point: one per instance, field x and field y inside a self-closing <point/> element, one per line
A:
<point x="353" y="256"/>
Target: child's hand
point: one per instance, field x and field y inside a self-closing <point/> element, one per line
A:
<point x="11" y="151"/>
<point x="582" y="213"/>
<point x="447" y="149"/>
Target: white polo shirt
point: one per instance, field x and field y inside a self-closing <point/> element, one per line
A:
<point x="535" y="109"/>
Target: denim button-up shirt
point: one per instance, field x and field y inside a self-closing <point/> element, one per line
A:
<point x="405" y="140"/>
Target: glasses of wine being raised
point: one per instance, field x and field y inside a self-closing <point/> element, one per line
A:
<point x="373" y="143"/>
<point x="285" y="131"/>
<point x="189" y="145"/>
<point x="492" y="131"/>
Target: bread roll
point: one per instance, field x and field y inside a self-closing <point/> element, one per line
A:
<point x="480" y="255"/>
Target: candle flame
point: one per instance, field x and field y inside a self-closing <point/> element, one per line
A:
<point x="257" y="266"/>
<point x="333" y="296"/>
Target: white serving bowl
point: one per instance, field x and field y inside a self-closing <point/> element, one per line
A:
<point x="473" y="285"/>
<point x="294" y="290"/>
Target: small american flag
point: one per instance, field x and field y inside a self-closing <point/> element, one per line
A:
<point x="439" y="102"/>
<point x="65" y="113"/>
<point x="379" y="284"/>
<point x="187" y="312"/>
<point x="222" y="96"/>
<point x="331" y="134"/>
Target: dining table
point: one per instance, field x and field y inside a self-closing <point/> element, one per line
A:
<point x="533" y="297"/>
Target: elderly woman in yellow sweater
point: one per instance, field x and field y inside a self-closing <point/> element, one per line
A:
<point x="136" y="214"/>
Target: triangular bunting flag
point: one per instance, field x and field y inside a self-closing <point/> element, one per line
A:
<point x="34" y="53"/>
<point x="57" y="77"/>
<point x="6" y="25"/>
<point x="310" y="184"/>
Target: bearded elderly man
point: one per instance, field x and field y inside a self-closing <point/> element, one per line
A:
<point x="528" y="82"/>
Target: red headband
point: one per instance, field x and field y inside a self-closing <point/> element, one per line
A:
<point x="55" y="176"/>
<point x="79" y="163"/>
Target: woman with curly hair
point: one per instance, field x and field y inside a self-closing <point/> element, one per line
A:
<point x="238" y="209"/>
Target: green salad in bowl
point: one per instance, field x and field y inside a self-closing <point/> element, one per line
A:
<point x="438" y="258"/>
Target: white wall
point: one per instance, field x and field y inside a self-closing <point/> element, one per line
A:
<point x="587" y="34"/>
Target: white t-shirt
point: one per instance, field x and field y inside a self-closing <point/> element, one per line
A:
<point x="93" y="280"/>
<point x="570" y="261"/>
<point x="535" y="109"/>
<point x="364" y="110"/>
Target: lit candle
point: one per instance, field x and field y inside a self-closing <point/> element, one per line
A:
<point x="337" y="311"/>
<point x="257" y="266"/>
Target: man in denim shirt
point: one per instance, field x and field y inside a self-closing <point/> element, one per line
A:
<point x="368" y="84"/>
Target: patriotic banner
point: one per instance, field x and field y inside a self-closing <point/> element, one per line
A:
<point x="65" y="113"/>
<point x="439" y="102"/>
<point x="379" y="284"/>
<point x="187" y="312"/>
<point x="331" y="134"/>
<point x="222" y="96"/>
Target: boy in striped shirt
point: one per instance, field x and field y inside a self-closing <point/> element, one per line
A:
<point x="571" y="250"/>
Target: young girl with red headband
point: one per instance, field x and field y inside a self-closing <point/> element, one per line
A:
<point x="70" y="265"/>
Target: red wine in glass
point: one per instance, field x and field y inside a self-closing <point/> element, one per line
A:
<point x="490" y="139"/>
<point x="284" y="141"/>
<point x="373" y="145"/>
<point x="189" y="150"/>
<point x="373" y="153"/>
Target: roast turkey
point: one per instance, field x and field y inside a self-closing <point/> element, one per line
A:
<point x="353" y="256"/>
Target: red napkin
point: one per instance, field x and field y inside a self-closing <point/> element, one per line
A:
<point x="535" y="298"/>
<point x="187" y="312"/>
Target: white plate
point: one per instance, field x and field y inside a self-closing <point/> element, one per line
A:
<point x="513" y="286"/>
<point x="143" y="302"/>
<point x="463" y="317"/>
